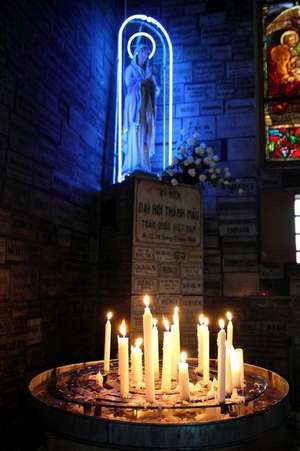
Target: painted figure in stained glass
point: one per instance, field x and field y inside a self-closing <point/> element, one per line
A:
<point x="282" y="81"/>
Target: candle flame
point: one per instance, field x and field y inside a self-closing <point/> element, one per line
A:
<point x="138" y="342"/>
<point x="154" y="322"/>
<point x="109" y="315"/>
<point x="176" y="310"/>
<point x="123" y="328"/>
<point x="166" y="323"/>
<point x="221" y="323"/>
<point x="229" y="316"/>
<point x="183" y="357"/>
<point x="206" y="321"/>
<point x="201" y="318"/>
<point x="146" y="300"/>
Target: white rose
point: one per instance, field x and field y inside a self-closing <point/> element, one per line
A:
<point x="202" y="177"/>
<point x="191" y="141"/>
<point x="203" y="145"/>
<point x="218" y="170"/>
<point x="227" y="174"/>
<point x="212" y="164"/>
<point x="240" y="191"/>
<point x="183" y="150"/>
<point x="191" y="159"/>
<point x="213" y="176"/>
<point x="175" y="160"/>
<point x="174" y="182"/>
<point x="196" y="135"/>
<point x="215" y="158"/>
<point x="210" y="150"/>
<point x="211" y="170"/>
<point x="170" y="172"/>
<point x="199" y="151"/>
<point x="226" y="182"/>
<point x="192" y="172"/>
<point x="207" y="161"/>
<point x="198" y="161"/>
<point x="186" y="162"/>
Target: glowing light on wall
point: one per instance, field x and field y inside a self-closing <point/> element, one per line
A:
<point x="136" y="35"/>
<point x="119" y="109"/>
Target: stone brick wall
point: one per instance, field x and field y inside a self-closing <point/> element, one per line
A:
<point x="56" y="88"/>
<point x="214" y="88"/>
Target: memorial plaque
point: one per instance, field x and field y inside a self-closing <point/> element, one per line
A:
<point x="204" y="72"/>
<point x="144" y="285"/>
<point x="192" y="270"/>
<point x="211" y="242"/>
<point x="2" y="250"/>
<point x="213" y="284"/>
<point x="238" y="245"/>
<point x="274" y="328"/>
<point x="199" y="92"/>
<point x="211" y="107"/>
<point x="240" y="106"/>
<point x="16" y="250"/>
<point x="221" y="52"/>
<point x="234" y="89"/>
<point x="271" y="179"/>
<point x="34" y="331"/>
<point x="217" y="34"/>
<point x="163" y="254"/>
<point x="192" y="286"/>
<point x="145" y="268"/>
<point x="183" y="72"/>
<point x="238" y="225"/>
<point x="239" y="69"/>
<point x="169" y="285"/>
<point x="196" y="52"/>
<point x="168" y="270"/>
<point x="206" y="126"/>
<point x="24" y="283"/>
<point x="62" y="212"/>
<point x="235" y="125"/>
<point x="142" y="253"/>
<point x="195" y="255"/>
<point x="245" y="328"/>
<point x="166" y="215"/>
<point x="272" y="271"/>
<point x="212" y="261"/>
<point x="213" y="19"/>
<point x="240" y="262"/>
<point x="234" y="206"/>
<point x="241" y="284"/>
<point x="187" y="109"/>
<point x="241" y="148"/>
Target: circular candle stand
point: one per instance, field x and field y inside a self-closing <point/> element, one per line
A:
<point x="71" y="403"/>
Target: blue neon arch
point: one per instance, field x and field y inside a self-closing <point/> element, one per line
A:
<point x="161" y="32"/>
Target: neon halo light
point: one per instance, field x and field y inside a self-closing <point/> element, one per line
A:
<point x="135" y="35"/>
<point x="119" y="107"/>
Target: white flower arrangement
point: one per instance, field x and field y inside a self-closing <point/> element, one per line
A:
<point x="196" y="163"/>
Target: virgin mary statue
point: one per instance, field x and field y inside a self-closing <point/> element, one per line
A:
<point x="139" y="112"/>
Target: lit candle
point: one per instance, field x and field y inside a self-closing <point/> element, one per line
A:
<point x="149" y="366"/>
<point x="107" y="343"/>
<point x="228" y="379"/>
<point x="175" y="343"/>
<point x="205" y="352"/>
<point x="221" y="362"/>
<point x="184" y="382"/>
<point x="235" y="368"/>
<point x="123" y="361"/>
<point x="137" y="364"/>
<point x="229" y="329"/>
<point x="200" y="342"/>
<point x="167" y="360"/>
<point x="242" y="372"/>
<point x="155" y="349"/>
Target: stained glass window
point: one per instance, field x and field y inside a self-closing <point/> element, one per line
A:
<point x="297" y="225"/>
<point x="281" y="67"/>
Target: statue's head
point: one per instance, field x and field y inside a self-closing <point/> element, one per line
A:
<point x="142" y="52"/>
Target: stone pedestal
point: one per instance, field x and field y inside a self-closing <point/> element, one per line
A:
<point x="152" y="243"/>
